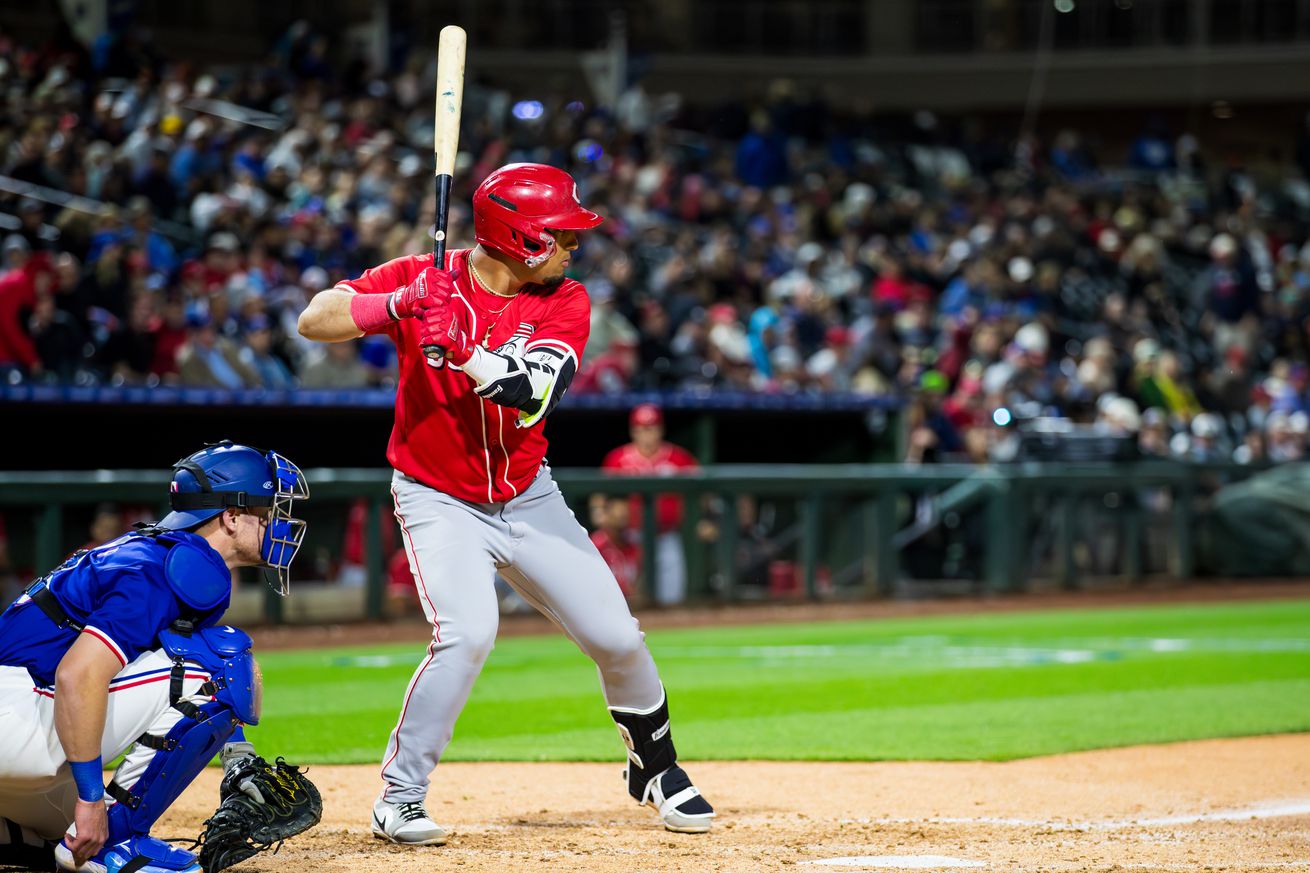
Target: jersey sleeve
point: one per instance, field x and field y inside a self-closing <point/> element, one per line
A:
<point x="129" y="617"/>
<point x="567" y="326"/>
<point x="683" y="459"/>
<point x="613" y="460"/>
<point x="382" y="279"/>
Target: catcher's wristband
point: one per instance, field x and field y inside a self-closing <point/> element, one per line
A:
<point x="89" y="776"/>
<point x="373" y="312"/>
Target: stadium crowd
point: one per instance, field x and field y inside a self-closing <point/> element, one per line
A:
<point x="774" y="246"/>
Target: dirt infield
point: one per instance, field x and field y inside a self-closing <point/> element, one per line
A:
<point x="1216" y="805"/>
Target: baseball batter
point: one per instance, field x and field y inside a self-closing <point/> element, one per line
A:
<point x="119" y="650"/>
<point x="473" y="492"/>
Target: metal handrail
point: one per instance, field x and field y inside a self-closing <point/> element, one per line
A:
<point x="1005" y="493"/>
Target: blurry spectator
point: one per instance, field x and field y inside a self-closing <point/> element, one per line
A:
<point x="1284" y="439"/>
<point x="614" y="538"/>
<point x="607" y="324"/>
<point x="762" y="154"/>
<point x="1208" y="443"/>
<point x="1232" y="382"/>
<point x="258" y="355"/>
<point x="25" y="278"/>
<point x="353" y="569"/>
<point x="139" y="234"/>
<point x="170" y="333"/>
<point x="1119" y="416"/>
<point x="832" y="368"/>
<point x="1153" y="439"/>
<point x="1163" y="387"/>
<point x="57" y="339"/>
<point x="650" y="455"/>
<point x="611" y="371"/>
<point x="1227" y="289"/>
<point x="106" y="524"/>
<point x="211" y="273"/>
<point x="1152" y="151"/>
<point x="209" y="360"/>
<point x="932" y="386"/>
<point x="32" y="215"/>
<point x="402" y="592"/>
<point x="129" y="352"/>
<point x="337" y="366"/>
<point x="1252" y="449"/>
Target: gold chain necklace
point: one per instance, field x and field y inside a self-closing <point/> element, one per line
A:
<point x="477" y="277"/>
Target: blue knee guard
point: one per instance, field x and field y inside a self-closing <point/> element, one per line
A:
<point x="225" y="653"/>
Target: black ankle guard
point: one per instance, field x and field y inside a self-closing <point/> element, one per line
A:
<point x="649" y="742"/>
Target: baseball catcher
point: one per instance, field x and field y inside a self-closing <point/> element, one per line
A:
<point x="119" y="650"/>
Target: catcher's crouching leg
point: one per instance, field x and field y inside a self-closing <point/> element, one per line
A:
<point x="654" y="777"/>
<point x="178" y="757"/>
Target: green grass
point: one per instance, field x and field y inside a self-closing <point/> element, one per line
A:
<point x="948" y="688"/>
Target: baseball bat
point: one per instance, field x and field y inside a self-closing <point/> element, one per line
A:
<point x="451" y="49"/>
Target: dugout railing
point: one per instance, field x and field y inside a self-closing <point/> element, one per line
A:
<point x="845" y="530"/>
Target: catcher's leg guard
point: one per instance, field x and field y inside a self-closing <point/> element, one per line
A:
<point x="654" y="777"/>
<point x="20" y="847"/>
<point x="179" y="756"/>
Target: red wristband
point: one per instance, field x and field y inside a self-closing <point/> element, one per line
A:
<point x="371" y="312"/>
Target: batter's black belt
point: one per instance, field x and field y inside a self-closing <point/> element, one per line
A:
<point x="45" y="600"/>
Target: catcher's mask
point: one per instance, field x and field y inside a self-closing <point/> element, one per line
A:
<point x="225" y="475"/>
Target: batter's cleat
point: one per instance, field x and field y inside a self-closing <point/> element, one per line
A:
<point x="407" y="824"/>
<point x="678" y="802"/>
<point x="142" y="854"/>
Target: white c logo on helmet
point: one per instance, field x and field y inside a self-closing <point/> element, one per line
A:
<point x="268" y="485"/>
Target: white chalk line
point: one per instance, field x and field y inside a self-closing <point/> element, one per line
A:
<point x="1262" y="811"/>
<point x="958" y="651"/>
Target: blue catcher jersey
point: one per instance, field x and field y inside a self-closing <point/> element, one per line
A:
<point x="118" y="591"/>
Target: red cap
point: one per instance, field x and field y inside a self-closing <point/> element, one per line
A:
<point x="722" y="313"/>
<point x="836" y="335"/>
<point x="645" y="415"/>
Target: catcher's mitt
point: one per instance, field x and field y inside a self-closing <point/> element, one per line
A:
<point x="242" y="826"/>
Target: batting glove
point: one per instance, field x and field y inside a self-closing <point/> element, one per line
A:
<point x="441" y="328"/>
<point x="430" y="286"/>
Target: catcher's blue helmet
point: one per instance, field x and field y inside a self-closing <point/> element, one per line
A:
<point x="225" y="475"/>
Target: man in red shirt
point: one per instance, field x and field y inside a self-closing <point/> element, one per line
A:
<point x="650" y="455"/>
<point x="473" y="492"/>
<point x="614" y="540"/>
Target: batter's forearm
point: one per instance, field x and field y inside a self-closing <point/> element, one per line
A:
<point x="327" y="318"/>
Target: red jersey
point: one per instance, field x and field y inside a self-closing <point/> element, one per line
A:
<point x="623" y="557"/>
<point x="445" y="436"/>
<point x="667" y="460"/>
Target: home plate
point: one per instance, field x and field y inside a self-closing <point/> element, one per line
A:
<point x="899" y="862"/>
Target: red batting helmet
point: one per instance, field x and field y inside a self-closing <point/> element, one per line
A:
<point x="514" y="206"/>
